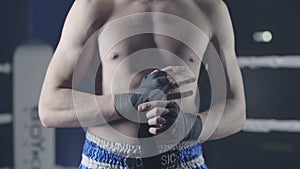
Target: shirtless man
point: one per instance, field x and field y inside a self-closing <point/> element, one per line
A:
<point x="62" y="106"/>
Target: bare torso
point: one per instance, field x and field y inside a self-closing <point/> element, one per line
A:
<point x="119" y="63"/>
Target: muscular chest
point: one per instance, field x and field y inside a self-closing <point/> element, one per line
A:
<point x="153" y="34"/>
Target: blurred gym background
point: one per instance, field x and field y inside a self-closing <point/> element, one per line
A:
<point x="267" y="32"/>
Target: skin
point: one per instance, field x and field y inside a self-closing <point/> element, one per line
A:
<point x="57" y="107"/>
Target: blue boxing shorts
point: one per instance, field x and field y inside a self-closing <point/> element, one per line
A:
<point x="103" y="154"/>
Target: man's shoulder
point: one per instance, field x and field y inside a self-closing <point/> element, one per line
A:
<point x="215" y="10"/>
<point x="211" y="6"/>
<point x="97" y="5"/>
<point x="217" y="13"/>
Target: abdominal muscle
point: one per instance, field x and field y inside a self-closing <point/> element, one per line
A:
<point x="122" y="131"/>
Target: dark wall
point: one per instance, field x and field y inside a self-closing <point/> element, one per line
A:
<point x="282" y="18"/>
<point x="46" y="19"/>
<point x="13" y="32"/>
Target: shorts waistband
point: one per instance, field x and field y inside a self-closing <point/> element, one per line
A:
<point x="101" y="153"/>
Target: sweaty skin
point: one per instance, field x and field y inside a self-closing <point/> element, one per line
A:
<point x="79" y="37"/>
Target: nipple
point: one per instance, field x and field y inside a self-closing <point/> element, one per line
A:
<point x="191" y="60"/>
<point x="114" y="55"/>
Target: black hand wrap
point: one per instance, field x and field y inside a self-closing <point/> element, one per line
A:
<point x="185" y="126"/>
<point x="154" y="86"/>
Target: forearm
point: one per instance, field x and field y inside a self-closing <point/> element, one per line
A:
<point x="219" y="123"/>
<point x="64" y="107"/>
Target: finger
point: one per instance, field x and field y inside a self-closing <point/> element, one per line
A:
<point x="174" y="69"/>
<point x="152" y="104"/>
<point x="174" y="96"/>
<point x="180" y="80"/>
<point x="154" y="71"/>
<point x="156" y="121"/>
<point x="178" y="75"/>
<point x="156" y="112"/>
<point x="154" y="130"/>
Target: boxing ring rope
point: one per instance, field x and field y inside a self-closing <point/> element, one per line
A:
<point x="274" y="62"/>
<point x="268" y="125"/>
<point x="5" y="69"/>
<point x="6" y="118"/>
